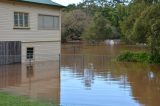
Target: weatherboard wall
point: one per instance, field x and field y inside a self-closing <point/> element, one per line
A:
<point x="45" y="42"/>
<point x="7" y="31"/>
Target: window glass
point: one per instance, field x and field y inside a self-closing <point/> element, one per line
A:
<point x="21" y="20"/>
<point x="56" y="22"/>
<point x="26" y="20"/>
<point x="40" y="22"/>
<point x="16" y="19"/>
<point x="30" y="52"/>
<point x="48" y="22"/>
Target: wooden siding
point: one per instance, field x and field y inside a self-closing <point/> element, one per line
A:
<point x="43" y="51"/>
<point x="8" y="33"/>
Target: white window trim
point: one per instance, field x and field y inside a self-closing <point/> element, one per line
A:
<point x="21" y="27"/>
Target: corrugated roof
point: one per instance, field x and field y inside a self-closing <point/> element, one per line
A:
<point x="45" y="2"/>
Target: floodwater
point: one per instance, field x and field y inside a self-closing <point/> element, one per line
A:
<point x="38" y="81"/>
<point x="90" y="77"/>
<point x="87" y="76"/>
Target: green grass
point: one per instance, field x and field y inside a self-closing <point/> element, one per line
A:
<point x="10" y="100"/>
<point x="134" y="57"/>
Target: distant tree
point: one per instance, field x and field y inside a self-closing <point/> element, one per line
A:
<point x="100" y="29"/>
<point x="146" y="1"/>
<point x="115" y="14"/>
<point x="147" y="30"/>
<point x="92" y="6"/>
<point x="70" y="7"/>
<point x="73" y="24"/>
<point x="155" y="42"/>
<point x="127" y="23"/>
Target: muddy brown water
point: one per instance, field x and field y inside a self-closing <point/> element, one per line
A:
<point x="87" y="77"/>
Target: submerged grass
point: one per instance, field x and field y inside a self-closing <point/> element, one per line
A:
<point x="10" y="100"/>
<point x="128" y="56"/>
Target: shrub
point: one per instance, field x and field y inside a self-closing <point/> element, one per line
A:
<point x="134" y="57"/>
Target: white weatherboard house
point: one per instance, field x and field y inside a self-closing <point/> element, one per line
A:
<point x="29" y="30"/>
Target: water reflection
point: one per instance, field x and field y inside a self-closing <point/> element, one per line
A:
<point x="109" y="50"/>
<point x="10" y="75"/>
<point x="88" y="78"/>
<point x="94" y="80"/>
<point x="30" y="71"/>
<point x="39" y="80"/>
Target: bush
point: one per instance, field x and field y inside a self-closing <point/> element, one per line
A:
<point x="155" y="57"/>
<point x="134" y="57"/>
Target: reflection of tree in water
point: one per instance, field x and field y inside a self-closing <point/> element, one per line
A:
<point x="147" y="87"/>
<point x="144" y="81"/>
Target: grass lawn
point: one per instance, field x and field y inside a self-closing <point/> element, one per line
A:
<point x="10" y="100"/>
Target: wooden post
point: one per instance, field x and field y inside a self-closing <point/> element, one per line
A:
<point x="59" y="63"/>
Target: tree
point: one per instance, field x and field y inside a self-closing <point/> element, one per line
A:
<point x="142" y="25"/>
<point x="133" y="12"/>
<point x="73" y="24"/>
<point x="152" y="18"/>
<point x="146" y="1"/>
<point x="70" y="7"/>
<point x="155" y="42"/>
<point x="100" y="29"/>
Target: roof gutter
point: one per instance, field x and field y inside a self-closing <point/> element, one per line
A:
<point x="59" y="6"/>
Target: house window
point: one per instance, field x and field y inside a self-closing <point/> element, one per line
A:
<point x="30" y="53"/>
<point x="48" y="22"/>
<point x="21" y="20"/>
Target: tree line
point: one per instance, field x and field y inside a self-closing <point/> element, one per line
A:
<point x="93" y="20"/>
<point x="130" y="20"/>
<point x="133" y="21"/>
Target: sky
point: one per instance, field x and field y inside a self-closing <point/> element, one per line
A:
<point x="66" y="2"/>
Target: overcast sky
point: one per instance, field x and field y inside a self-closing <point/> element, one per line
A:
<point x="66" y="2"/>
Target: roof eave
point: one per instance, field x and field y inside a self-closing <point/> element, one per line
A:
<point x="59" y="6"/>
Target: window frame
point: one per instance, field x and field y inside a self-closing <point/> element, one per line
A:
<point x="49" y="16"/>
<point x="33" y="55"/>
<point x="19" y="26"/>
